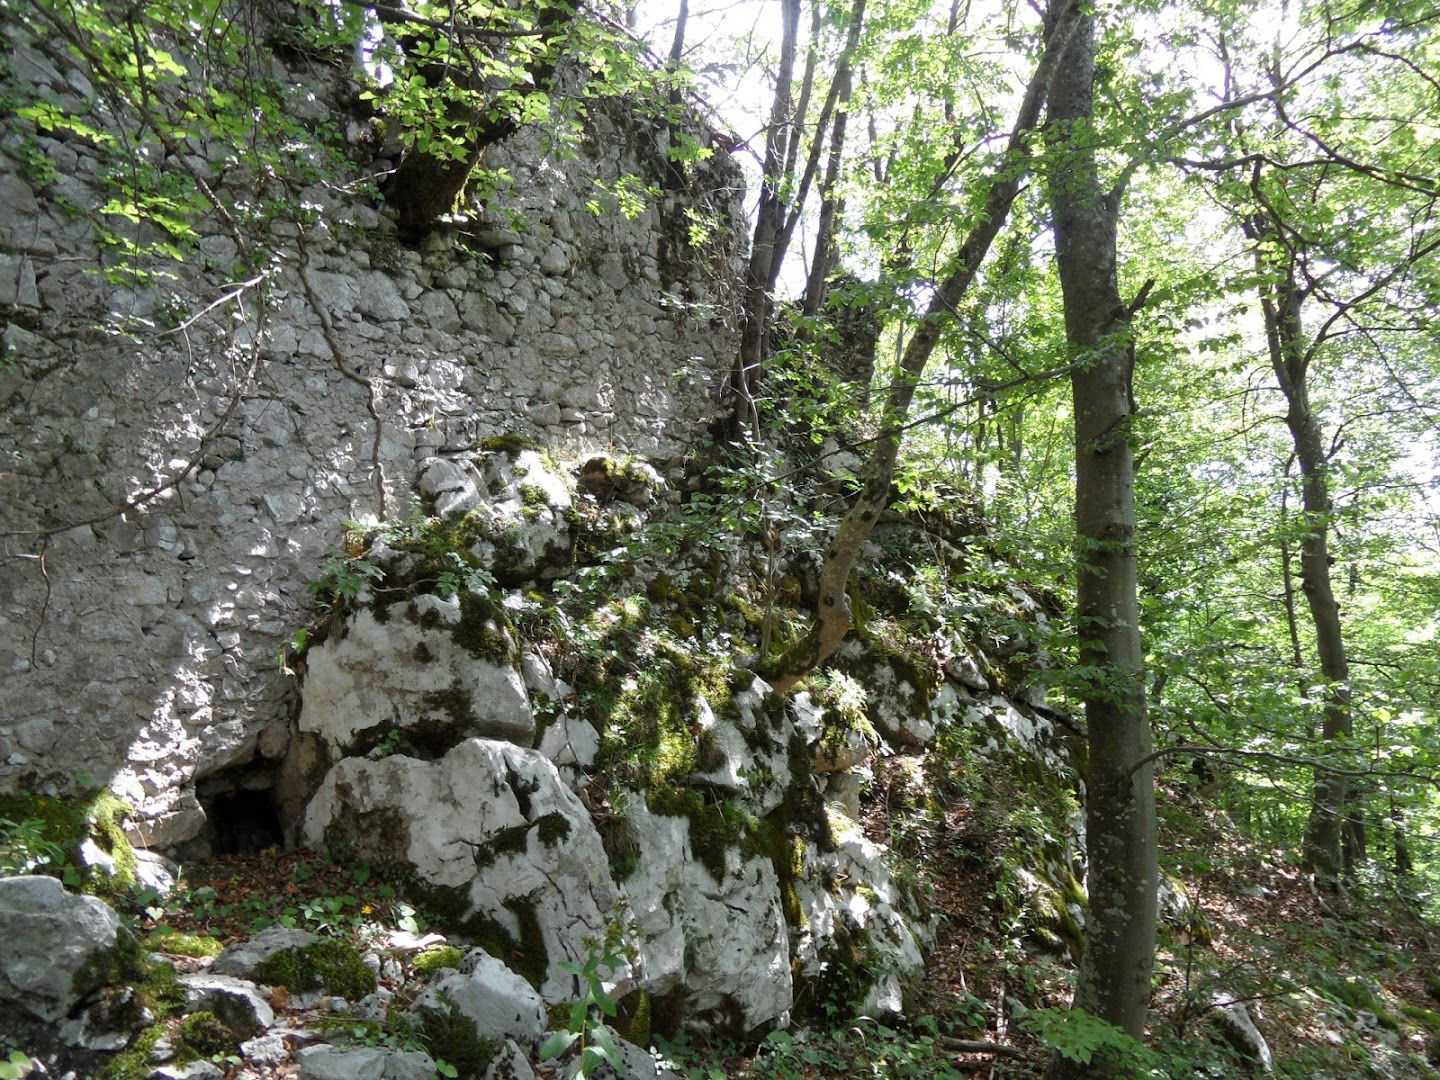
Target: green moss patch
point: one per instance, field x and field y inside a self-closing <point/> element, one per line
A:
<point x="330" y="965"/>
<point x="553" y="829"/>
<point x="433" y="960"/>
<point x="484" y="630"/>
<point x="163" y="939"/>
<point x="156" y="990"/>
<point x="204" y="1035"/>
<point x="39" y="834"/>
<point x="448" y="1035"/>
<point x="513" y="445"/>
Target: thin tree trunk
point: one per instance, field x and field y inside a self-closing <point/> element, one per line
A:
<point x="769" y="218"/>
<point x="1287" y="572"/>
<point x="832" y="613"/>
<point x="1404" y="865"/>
<point x="827" y="254"/>
<point x="1290" y="360"/>
<point x="677" y="53"/>
<point x="1115" y="969"/>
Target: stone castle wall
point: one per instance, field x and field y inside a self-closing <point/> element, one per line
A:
<point x="177" y="459"/>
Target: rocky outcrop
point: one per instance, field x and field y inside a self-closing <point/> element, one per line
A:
<point x="430" y="671"/>
<point x="508" y="849"/>
<point x="209" y="471"/>
<point x="524" y="661"/>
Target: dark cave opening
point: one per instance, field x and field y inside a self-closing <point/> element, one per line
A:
<point x="241" y="816"/>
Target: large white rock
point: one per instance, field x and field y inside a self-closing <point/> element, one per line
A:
<point x="496" y="1000"/>
<point x="850" y="890"/>
<point x="50" y="945"/>
<point x="496" y="824"/>
<point x="415" y="670"/>
<point x="724" y="941"/>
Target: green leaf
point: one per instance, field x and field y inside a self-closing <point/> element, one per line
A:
<point x="557" y="1043"/>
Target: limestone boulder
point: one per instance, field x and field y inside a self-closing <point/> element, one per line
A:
<point x="491" y="996"/>
<point x="435" y="670"/>
<point x="723" y="941"/>
<point x="54" y="946"/>
<point x="238" y="1002"/>
<point x="527" y="528"/>
<point x="326" y="1062"/>
<point x="242" y="958"/>
<point x="847" y="896"/>
<point x="453" y="486"/>
<point x="1236" y="1026"/>
<point x="495" y="829"/>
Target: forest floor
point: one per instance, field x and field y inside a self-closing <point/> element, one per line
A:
<point x="1340" y="986"/>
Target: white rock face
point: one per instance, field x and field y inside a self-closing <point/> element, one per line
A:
<point x="414" y="673"/>
<point x="499" y="1002"/>
<point x="867" y="902"/>
<point x="47" y="939"/>
<point x="724" y="941"/>
<point x="528" y="528"/>
<point x="156" y="666"/>
<point x="892" y="699"/>
<point x="497" y="824"/>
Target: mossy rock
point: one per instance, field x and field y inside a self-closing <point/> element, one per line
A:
<point x="450" y="908"/>
<point x="512" y="445"/>
<point x="633" y="1019"/>
<point x="605" y="478"/>
<point x="157" y="990"/>
<point x="433" y="960"/>
<point x="485" y="630"/>
<point x="449" y="1035"/>
<point x="714" y="829"/>
<point x="203" y="1034"/>
<point x="330" y="965"/>
<point x="66" y="824"/>
<point x="164" y="939"/>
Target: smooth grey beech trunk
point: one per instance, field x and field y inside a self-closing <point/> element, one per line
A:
<point x="1114" y="977"/>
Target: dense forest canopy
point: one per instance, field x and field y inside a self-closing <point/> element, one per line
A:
<point x="1147" y="292"/>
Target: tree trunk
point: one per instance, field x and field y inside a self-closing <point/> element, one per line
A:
<point x="425" y="186"/>
<point x="1290" y="359"/>
<point x="1287" y="572"/>
<point x="827" y="251"/>
<point x="1114" y="979"/>
<point x="756" y="301"/>
<point x="1404" y="865"/>
<point x="832" y="611"/>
